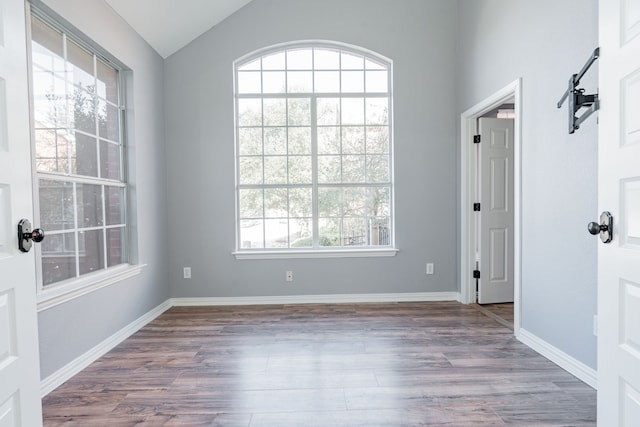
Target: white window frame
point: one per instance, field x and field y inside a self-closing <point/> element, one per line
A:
<point x="316" y="251"/>
<point x="66" y="290"/>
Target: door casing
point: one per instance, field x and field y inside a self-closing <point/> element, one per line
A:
<point x="468" y="177"/>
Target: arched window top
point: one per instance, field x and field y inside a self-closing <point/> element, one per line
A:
<point x="312" y="67"/>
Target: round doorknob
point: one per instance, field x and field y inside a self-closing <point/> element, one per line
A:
<point x="595" y="228"/>
<point x="37" y="235"/>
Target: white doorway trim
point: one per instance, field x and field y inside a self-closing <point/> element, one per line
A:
<point x="468" y="177"/>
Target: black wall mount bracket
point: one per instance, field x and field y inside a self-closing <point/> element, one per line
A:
<point x="577" y="98"/>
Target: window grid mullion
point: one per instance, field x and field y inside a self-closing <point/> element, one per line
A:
<point x="75" y="229"/>
<point x="315" y="209"/>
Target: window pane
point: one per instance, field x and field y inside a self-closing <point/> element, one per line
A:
<point x="353" y="140"/>
<point x="299" y="59"/>
<point x="353" y="169"/>
<point x="251" y="234"/>
<point x="299" y="140"/>
<point x="114" y="205"/>
<point x="374" y="65"/>
<point x="275" y="140"/>
<point x="91" y="249"/>
<point x="329" y="202"/>
<point x="250" y="141"/>
<point x="84" y="155"/>
<point x="250" y="170"/>
<point x="273" y="62"/>
<point x="276" y="233"/>
<point x="353" y="111"/>
<point x="81" y="66"/>
<point x="300" y="233"/>
<point x="52" y="151"/>
<point x="299" y="81"/>
<point x="378" y="168"/>
<point x="380" y="232"/>
<point x="354" y="232"/>
<point x="116" y="238"/>
<point x="329" y="140"/>
<point x="353" y="81"/>
<point x="84" y="111"/>
<point x="326" y="59"/>
<point x="110" y="160"/>
<point x="378" y="202"/>
<point x="327" y="81"/>
<point x="50" y="104"/>
<point x="275" y="203"/>
<point x="253" y="65"/>
<point x="300" y="170"/>
<point x="329" y="170"/>
<point x="377" y="139"/>
<point x="351" y="62"/>
<point x="251" y="203"/>
<point x="107" y="82"/>
<point x="377" y="81"/>
<point x="89" y="199"/>
<point x="377" y="111"/>
<point x="273" y="82"/>
<point x="328" y="111"/>
<point x="299" y="111"/>
<point x="300" y="204"/>
<point x="46" y="47"/>
<point x="275" y="169"/>
<point x="354" y="202"/>
<point x="250" y="112"/>
<point x="58" y="258"/>
<point x="56" y="205"/>
<point x="249" y="82"/>
<point x="329" y="231"/>
<point x="109" y="121"/>
<point x="275" y="112"/>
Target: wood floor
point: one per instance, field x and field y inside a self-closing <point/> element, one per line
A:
<point x="406" y="364"/>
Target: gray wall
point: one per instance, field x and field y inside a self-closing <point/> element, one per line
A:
<point x="69" y="330"/>
<point x="544" y="43"/>
<point x="419" y="36"/>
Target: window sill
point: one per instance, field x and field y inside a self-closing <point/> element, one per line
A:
<point x="67" y="291"/>
<point x="288" y="254"/>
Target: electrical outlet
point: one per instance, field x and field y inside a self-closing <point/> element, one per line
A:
<point x="429" y="268"/>
<point x="186" y="272"/>
<point x="289" y="276"/>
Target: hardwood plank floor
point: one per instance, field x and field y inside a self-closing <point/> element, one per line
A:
<point x="406" y="364"/>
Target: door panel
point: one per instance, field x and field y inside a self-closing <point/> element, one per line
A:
<point x="619" y="193"/>
<point x="19" y="366"/>
<point x="496" y="214"/>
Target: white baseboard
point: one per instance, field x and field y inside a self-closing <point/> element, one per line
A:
<point x="47" y="385"/>
<point x="576" y="368"/>
<point x="318" y="299"/>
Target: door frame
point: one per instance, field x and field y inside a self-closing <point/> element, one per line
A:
<point x="468" y="182"/>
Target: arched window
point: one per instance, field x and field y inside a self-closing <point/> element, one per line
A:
<point x="314" y="169"/>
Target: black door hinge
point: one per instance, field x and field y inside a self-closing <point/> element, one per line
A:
<point x="476" y="139"/>
<point x="476" y="274"/>
<point x="476" y="207"/>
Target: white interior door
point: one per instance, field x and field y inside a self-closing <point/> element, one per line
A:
<point x="619" y="193"/>
<point x="496" y="214"/>
<point x="19" y="367"/>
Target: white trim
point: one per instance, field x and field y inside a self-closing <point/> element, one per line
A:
<point x="318" y="299"/>
<point x="467" y="184"/>
<point x="288" y="254"/>
<point x="576" y="368"/>
<point x="59" y="294"/>
<point x="65" y="373"/>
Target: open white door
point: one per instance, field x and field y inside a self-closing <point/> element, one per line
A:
<point x="619" y="193"/>
<point x="19" y="366"/>
<point x="496" y="214"/>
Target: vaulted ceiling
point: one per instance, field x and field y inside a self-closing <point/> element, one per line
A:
<point x="169" y="25"/>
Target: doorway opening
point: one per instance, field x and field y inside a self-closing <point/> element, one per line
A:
<point x="470" y="182"/>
